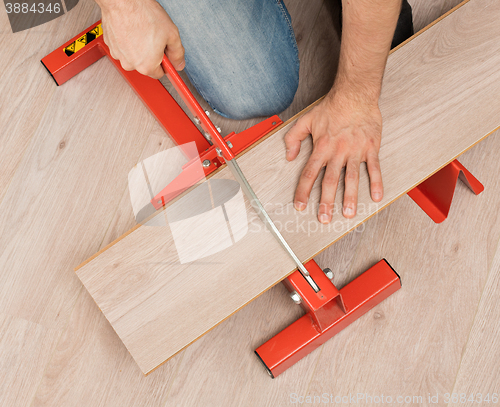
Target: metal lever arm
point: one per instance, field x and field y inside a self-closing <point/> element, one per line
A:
<point x="228" y="155"/>
<point x="195" y="108"/>
<point x="264" y="216"/>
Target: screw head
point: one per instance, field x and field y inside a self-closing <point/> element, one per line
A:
<point x="328" y="273"/>
<point x="219" y="152"/>
<point x="196" y="120"/>
<point x="230" y="145"/>
<point x="294" y="295"/>
<point x="218" y="129"/>
<point x="207" y="136"/>
<point x="207" y="113"/>
<point x="206" y="163"/>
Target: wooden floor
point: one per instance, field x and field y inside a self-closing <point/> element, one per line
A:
<point x="65" y="153"/>
<point x="132" y="278"/>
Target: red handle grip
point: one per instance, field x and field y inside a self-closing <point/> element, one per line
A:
<point x="195" y="108"/>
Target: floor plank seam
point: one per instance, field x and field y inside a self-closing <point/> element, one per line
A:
<point x="431" y="24"/>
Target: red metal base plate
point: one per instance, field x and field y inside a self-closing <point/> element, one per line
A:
<point x="328" y="312"/>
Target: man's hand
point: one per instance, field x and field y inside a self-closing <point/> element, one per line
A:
<point x="138" y="34"/>
<point x="346" y="132"/>
<point x="346" y="126"/>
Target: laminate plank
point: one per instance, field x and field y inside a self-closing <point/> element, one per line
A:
<point x="479" y="371"/>
<point x="424" y="12"/>
<point x="412" y="343"/>
<point x="131" y="280"/>
<point x="25" y="349"/>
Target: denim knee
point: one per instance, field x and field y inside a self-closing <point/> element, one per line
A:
<point x="265" y="95"/>
<point x="241" y="55"/>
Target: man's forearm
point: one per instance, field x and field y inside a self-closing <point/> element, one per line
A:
<point x="368" y="29"/>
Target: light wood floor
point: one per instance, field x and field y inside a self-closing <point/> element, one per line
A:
<point x="64" y="156"/>
<point x="131" y="280"/>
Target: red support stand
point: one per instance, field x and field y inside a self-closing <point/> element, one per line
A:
<point x="327" y="312"/>
<point x="435" y="194"/>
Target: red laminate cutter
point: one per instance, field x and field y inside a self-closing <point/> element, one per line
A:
<point x="328" y="309"/>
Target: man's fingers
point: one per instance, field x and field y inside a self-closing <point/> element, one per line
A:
<point x="112" y="50"/>
<point x="376" y="186"/>
<point x="328" y="191"/>
<point x="306" y="181"/>
<point x="299" y="132"/>
<point x="175" y="51"/>
<point x="127" y="66"/>
<point x="157" y="73"/>
<point x="351" y="187"/>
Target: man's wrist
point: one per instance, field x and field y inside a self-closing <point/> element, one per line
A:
<point x="359" y="77"/>
<point x="354" y="89"/>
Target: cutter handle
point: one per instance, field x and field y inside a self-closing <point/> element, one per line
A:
<point x="195" y="108"/>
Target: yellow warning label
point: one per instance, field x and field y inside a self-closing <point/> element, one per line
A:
<point x="83" y="40"/>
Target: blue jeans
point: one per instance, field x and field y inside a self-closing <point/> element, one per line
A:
<point x="241" y="55"/>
